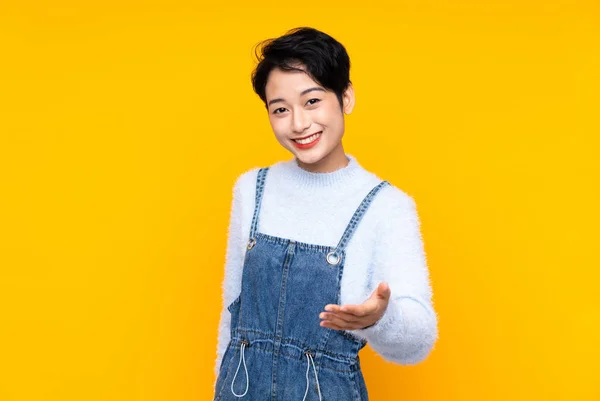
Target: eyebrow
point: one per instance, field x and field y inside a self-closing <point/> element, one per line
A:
<point x="304" y="92"/>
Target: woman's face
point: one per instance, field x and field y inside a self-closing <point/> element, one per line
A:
<point x="307" y="119"/>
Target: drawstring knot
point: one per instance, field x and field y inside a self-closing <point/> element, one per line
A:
<point x="242" y="358"/>
<point x="309" y="360"/>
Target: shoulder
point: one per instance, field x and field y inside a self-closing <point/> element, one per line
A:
<point x="392" y="202"/>
<point x="246" y="180"/>
<point x="244" y="186"/>
<point x="245" y="183"/>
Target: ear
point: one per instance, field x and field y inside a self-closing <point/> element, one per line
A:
<point x="348" y="99"/>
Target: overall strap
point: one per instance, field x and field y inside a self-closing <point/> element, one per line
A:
<point x="334" y="257"/>
<point x="260" y="186"/>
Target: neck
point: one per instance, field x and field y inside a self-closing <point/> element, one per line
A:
<point x="311" y="181"/>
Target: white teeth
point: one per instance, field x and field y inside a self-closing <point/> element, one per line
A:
<point x="309" y="139"/>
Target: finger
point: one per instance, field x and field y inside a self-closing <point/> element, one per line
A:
<point x="350" y="326"/>
<point x="335" y="326"/>
<point x="338" y="322"/>
<point x="329" y="325"/>
<point x="383" y="291"/>
<point x="361" y="310"/>
<point x="332" y="308"/>
<point x="346" y="317"/>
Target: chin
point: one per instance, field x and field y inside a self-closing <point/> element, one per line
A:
<point x="310" y="157"/>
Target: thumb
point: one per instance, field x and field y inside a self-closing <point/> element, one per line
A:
<point x="382" y="291"/>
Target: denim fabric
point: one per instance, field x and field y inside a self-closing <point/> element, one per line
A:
<point x="278" y="351"/>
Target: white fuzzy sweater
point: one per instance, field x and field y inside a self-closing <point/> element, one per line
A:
<point x="386" y="246"/>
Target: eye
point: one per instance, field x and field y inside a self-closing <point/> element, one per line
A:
<point x="317" y="100"/>
<point x="277" y="110"/>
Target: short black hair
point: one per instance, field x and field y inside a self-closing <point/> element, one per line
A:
<point x="324" y="58"/>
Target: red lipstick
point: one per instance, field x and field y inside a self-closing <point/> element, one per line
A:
<point x="308" y="145"/>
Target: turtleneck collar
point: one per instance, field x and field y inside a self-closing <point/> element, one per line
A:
<point x="338" y="178"/>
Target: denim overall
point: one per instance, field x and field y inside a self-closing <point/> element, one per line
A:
<point x="275" y="333"/>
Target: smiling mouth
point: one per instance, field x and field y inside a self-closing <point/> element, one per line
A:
<point x="307" y="140"/>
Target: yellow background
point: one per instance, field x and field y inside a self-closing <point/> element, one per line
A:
<point x="123" y="125"/>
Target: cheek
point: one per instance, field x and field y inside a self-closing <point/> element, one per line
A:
<point x="278" y="127"/>
<point x="333" y="120"/>
<point x="329" y="116"/>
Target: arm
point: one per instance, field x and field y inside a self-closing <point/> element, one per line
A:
<point x="231" y="285"/>
<point x="407" y="331"/>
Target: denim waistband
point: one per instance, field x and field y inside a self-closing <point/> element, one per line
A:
<point x="297" y="350"/>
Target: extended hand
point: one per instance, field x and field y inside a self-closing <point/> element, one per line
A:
<point x="352" y="317"/>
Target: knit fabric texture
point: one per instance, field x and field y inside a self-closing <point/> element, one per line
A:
<point x="387" y="246"/>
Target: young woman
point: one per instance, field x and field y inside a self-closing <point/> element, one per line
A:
<point x="323" y="257"/>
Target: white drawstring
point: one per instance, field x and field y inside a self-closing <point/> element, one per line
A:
<point x="242" y="358"/>
<point x="309" y="360"/>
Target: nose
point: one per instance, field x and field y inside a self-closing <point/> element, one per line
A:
<point x="300" y="121"/>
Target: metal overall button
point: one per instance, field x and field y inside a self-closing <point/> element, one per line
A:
<point x="251" y="243"/>
<point x="333" y="258"/>
<point x="308" y="352"/>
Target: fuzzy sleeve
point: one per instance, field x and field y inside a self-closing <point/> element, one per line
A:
<point x="407" y="331"/>
<point x="231" y="285"/>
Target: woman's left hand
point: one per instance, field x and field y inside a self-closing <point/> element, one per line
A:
<point x="352" y="317"/>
